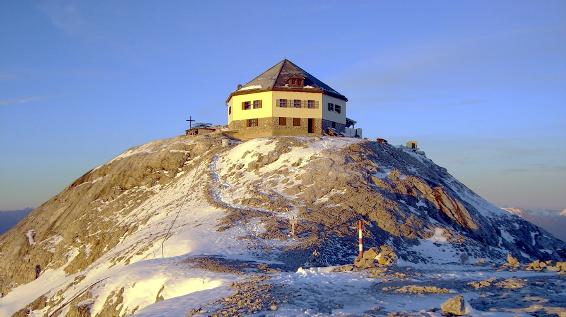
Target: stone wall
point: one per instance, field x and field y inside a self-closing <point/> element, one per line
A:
<point x="339" y="127"/>
<point x="270" y="127"/>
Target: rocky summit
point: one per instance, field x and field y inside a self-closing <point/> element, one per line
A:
<point x="211" y="226"/>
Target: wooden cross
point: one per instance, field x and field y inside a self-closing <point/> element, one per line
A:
<point x="190" y="120"/>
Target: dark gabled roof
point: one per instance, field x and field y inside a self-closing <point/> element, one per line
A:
<point x="277" y="76"/>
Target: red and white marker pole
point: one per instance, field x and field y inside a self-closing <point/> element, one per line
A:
<point x="360" y="242"/>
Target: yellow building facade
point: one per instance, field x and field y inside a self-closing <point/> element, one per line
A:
<point x="285" y="100"/>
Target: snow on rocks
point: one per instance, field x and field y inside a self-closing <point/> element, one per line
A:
<point x="437" y="249"/>
<point x="237" y="202"/>
<point x="142" y="284"/>
<point x="30" y="234"/>
<point x="174" y="224"/>
<point x="22" y="295"/>
<point x="51" y="243"/>
<point x="150" y="147"/>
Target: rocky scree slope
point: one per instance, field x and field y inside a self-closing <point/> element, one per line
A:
<point x="136" y="219"/>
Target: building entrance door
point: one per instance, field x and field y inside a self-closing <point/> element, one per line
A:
<point x="310" y="125"/>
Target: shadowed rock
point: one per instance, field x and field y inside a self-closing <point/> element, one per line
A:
<point x="455" y="306"/>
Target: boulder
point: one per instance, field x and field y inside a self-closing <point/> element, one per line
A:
<point x="417" y="289"/>
<point x="558" y="267"/>
<point x="512" y="261"/>
<point x="366" y="260"/>
<point x="482" y="284"/>
<point x="386" y="256"/>
<point x="536" y="266"/>
<point x="481" y="262"/>
<point x="370" y="254"/>
<point x="343" y="268"/>
<point x="455" y="306"/>
<point x="363" y="263"/>
<point x="511" y="283"/>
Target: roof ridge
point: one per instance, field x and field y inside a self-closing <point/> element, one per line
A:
<point x="279" y="72"/>
<point x="270" y="68"/>
<point x="276" y="77"/>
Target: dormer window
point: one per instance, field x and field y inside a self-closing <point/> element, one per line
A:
<point x="296" y="82"/>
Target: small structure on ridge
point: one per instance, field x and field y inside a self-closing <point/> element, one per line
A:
<point x="412" y="145"/>
<point x="198" y="128"/>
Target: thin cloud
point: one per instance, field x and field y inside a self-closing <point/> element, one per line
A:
<point x="21" y="100"/>
<point x="411" y="65"/>
<point x="64" y="15"/>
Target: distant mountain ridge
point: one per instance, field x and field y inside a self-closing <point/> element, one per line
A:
<point x="9" y="218"/>
<point x="553" y="221"/>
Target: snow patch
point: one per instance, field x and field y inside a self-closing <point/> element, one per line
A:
<point x="438" y="236"/>
<point x="51" y="243"/>
<point x="30" y="234"/>
<point x="505" y="235"/>
<point x="250" y="87"/>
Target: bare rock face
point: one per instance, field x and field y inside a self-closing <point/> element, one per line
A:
<point x="436" y="196"/>
<point x="78" y="225"/>
<point x="453" y="209"/>
<point x="455" y="306"/>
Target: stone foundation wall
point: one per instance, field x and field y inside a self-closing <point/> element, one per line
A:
<point x="270" y="127"/>
<point x="339" y="127"/>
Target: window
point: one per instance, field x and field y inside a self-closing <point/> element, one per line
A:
<point x="330" y="106"/>
<point x="310" y="104"/>
<point x="338" y="108"/>
<point x="283" y="103"/>
<point x="333" y="125"/>
<point x="246" y="105"/>
<point x="296" y="103"/>
<point x="257" y="104"/>
<point x="296" y="82"/>
<point x="230" y="110"/>
<point x="282" y="121"/>
<point x="296" y="122"/>
<point x="252" y="122"/>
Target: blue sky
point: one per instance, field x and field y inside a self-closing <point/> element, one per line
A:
<point x="480" y="84"/>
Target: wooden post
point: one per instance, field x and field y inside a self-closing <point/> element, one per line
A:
<point x="360" y="242"/>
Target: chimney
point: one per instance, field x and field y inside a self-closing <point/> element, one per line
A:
<point x="239" y="87"/>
